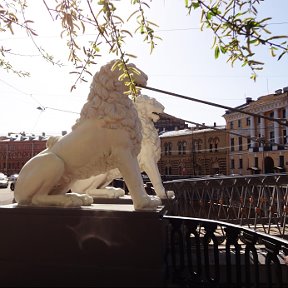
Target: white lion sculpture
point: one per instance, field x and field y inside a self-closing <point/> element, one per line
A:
<point x="148" y="109"/>
<point x="106" y="136"/>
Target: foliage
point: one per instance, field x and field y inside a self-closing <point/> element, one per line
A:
<point x="237" y="31"/>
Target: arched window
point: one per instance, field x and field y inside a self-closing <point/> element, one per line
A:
<point x="168" y="170"/>
<point x="210" y="143"/>
<point x="181" y="147"/>
<point x="216" y="142"/>
<point x="169" y="148"/>
<point x="179" y="144"/>
<point x="166" y="147"/>
<point x="184" y="147"/>
<point x="199" y="145"/>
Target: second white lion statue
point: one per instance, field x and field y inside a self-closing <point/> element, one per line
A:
<point x="148" y="109"/>
<point x="106" y="136"/>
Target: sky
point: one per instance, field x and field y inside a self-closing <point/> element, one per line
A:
<point x="182" y="63"/>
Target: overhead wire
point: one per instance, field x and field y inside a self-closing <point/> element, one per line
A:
<point x="255" y="139"/>
<point x="278" y="120"/>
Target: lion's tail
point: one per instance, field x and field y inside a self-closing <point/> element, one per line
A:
<point x="52" y="140"/>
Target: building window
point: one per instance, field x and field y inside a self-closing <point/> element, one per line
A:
<point x="167" y="170"/>
<point x="232" y="144"/>
<point x="256" y="161"/>
<point x="240" y="163"/>
<point x="216" y="147"/>
<point x="284" y="136"/>
<point x="179" y="148"/>
<point x="165" y="148"/>
<point x="284" y="113"/>
<point x="182" y="148"/>
<point x="281" y="161"/>
<point x="231" y="125"/>
<point x="248" y="121"/>
<point x="272" y="137"/>
<point x="248" y="143"/>
<point x="232" y="164"/>
<point x="210" y="147"/>
<point x="239" y="123"/>
<point x="169" y="148"/>
<point x="240" y="143"/>
<point x="197" y="145"/>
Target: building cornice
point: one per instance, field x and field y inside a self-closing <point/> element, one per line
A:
<point x="260" y="106"/>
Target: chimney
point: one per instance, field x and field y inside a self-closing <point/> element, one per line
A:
<point x="248" y="100"/>
<point x="279" y="91"/>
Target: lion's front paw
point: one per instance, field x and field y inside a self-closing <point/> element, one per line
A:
<point x="148" y="202"/>
<point x="117" y="192"/>
<point x="165" y="194"/>
<point x="170" y="194"/>
<point x="77" y="200"/>
<point x="107" y="192"/>
<point x="72" y="200"/>
<point x="87" y="200"/>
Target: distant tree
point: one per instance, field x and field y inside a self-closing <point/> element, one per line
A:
<point x="237" y="31"/>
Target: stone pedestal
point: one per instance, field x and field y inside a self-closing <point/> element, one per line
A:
<point x="100" y="245"/>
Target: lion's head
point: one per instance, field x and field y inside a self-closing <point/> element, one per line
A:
<point x="107" y="78"/>
<point x="149" y="107"/>
<point x="149" y="110"/>
<point x="108" y="102"/>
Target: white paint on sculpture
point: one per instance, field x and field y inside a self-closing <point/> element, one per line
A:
<point x="148" y="109"/>
<point x="106" y="136"/>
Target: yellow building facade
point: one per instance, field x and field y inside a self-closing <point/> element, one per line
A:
<point x="194" y="151"/>
<point x="258" y="140"/>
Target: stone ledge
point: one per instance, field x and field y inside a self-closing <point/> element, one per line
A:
<point x="101" y="245"/>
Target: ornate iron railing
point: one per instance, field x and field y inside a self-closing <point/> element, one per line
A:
<point x="199" y="256"/>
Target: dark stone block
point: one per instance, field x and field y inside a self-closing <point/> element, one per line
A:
<point x="102" y="245"/>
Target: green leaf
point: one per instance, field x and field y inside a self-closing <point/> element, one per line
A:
<point x="253" y="77"/>
<point x="132" y="15"/>
<point x="272" y="52"/>
<point x="209" y="15"/>
<point x="195" y="5"/>
<point x="128" y="32"/>
<point x="223" y="49"/>
<point x="282" y="54"/>
<point x="216" y="52"/>
<point x="276" y="37"/>
<point x="152" y="23"/>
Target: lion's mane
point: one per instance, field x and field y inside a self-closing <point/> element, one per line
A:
<point x="150" y="137"/>
<point x="107" y="102"/>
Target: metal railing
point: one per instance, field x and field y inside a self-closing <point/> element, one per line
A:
<point x="199" y="256"/>
<point x="258" y="202"/>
